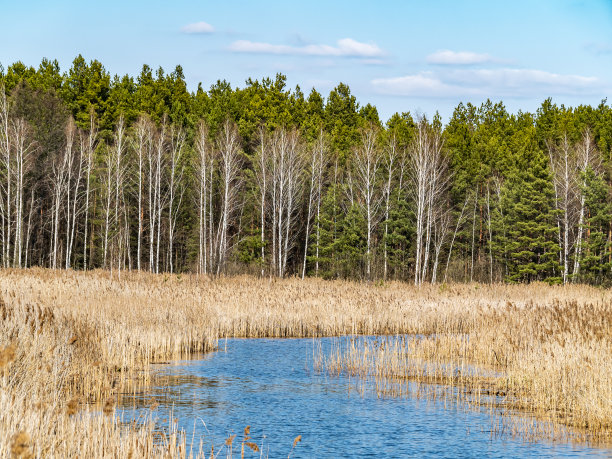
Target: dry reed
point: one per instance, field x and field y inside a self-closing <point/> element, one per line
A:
<point x="550" y="360"/>
<point x="72" y="342"/>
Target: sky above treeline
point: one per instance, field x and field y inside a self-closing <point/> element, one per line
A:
<point x="398" y="55"/>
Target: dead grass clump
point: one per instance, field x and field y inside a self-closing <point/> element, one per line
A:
<point x="21" y="446"/>
<point x="551" y="360"/>
<point x="7" y="355"/>
<point x="59" y="359"/>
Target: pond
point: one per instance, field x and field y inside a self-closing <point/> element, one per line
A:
<point x="271" y="385"/>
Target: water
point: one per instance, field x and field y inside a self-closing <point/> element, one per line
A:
<point x="270" y="385"/>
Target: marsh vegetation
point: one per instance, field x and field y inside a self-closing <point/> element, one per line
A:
<point x="72" y="343"/>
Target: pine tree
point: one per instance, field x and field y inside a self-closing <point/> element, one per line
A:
<point x="401" y="233"/>
<point x="596" y="263"/>
<point x="527" y="241"/>
<point x="329" y="228"/>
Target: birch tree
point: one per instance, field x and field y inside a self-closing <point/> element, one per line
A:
<point x="317" y="162"/>
<point x="367" y="160"/>
<point x="76" y="163"/>
<point x="262" y="172"/>
<point x="113" y="187"/>
<point x="228" y="146"/>
<point x="176" y="187"/>
<point x="143" y="140"/>
<point x="429" y="177"/>
<point x="60" y="180"/>
<point x="391" y="157"/>
<point x="564" y="169"/>
<point x="285" y="188"/>
<point x="204" y="164"/>
<point x="90" y="147"/>
<point x="155" y="166"/>
<point x="23" y="146"/>
<point x="6" y="157"/>
<point x="587" y="158"/>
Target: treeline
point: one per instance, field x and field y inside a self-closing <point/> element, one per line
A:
<point x="128" y="173"/>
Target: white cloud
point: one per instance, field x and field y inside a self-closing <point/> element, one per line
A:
<point x="198" y="27"/>
<point x="346" y="47"/>
<point x="447" y="57"/>
<point x="505" y="82"/>
<point x="421" y="84"/>
<point x="350" y="47"/>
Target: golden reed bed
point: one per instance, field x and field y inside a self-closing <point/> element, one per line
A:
<point x="71" y="340"/>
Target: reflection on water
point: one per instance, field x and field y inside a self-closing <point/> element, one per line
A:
<point x="270" y="385"/>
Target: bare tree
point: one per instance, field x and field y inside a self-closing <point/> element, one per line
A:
<point x="317" y="161"/>
<point x="441" y="226"/>
<point x="113" y="187"/>
<point x="119" y="150"/>
<point x="490" y="234"/>
<point x="391" y="157"/>
<point x="5" y="151"/>
<point x="564" y="168"/>
<point x="457" y="226"/>
<point x="143" y="140"/>
<point x="24" y="147"/>
<point x="430" y="179"/>
<point x="176" y="187"/>
<point x="420" y="165"/>
<point x="568" y="165"/>
<point x="228" y="145"/>
<point x="91" y="145"/>
<point x="60" y="180"/>
<point x="285" y="188"/>
<point x="587" y="158"/>
<point x="473" y="245"/>
<point x="323" y="165"/>
<point x="367" y="161"/>
<point x="204" y="162"/>
<point x="29" y="225"/>
<point x="262" y="172"/>
<point x="155" y="166"/>
<point x="77" y="163"/>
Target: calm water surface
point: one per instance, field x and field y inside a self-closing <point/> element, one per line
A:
<point x="270" y="385"/>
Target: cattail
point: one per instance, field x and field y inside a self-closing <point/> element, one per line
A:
<point x="108" y="406"/>
<point x="229" y="440"/>
<point x="297" y="440"/>
<point x="7" y="355"/>
<point x="21" y="446"/>
<point x="72" y="406"/>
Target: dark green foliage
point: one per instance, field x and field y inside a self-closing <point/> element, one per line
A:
<point x="342" y="120"/>
<point x="499" y="176"/>
<point x="401" y="233"/>
<point x="596" y="262"/>
<point x="528" y="244"/>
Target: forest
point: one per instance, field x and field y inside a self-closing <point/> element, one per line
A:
<point x="138" y="173"/>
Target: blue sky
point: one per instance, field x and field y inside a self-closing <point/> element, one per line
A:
<point x="399" y="55"/>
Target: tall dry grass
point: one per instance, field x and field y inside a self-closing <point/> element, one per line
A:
<point x="551" y="360"/>
<point x="71" y="343"/>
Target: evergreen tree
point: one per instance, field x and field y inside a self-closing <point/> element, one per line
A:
<point x="596" y="262"/>
<point x="87" y="86"/>
<point x="527" y="242"/>
<point x="401" y="233"/>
